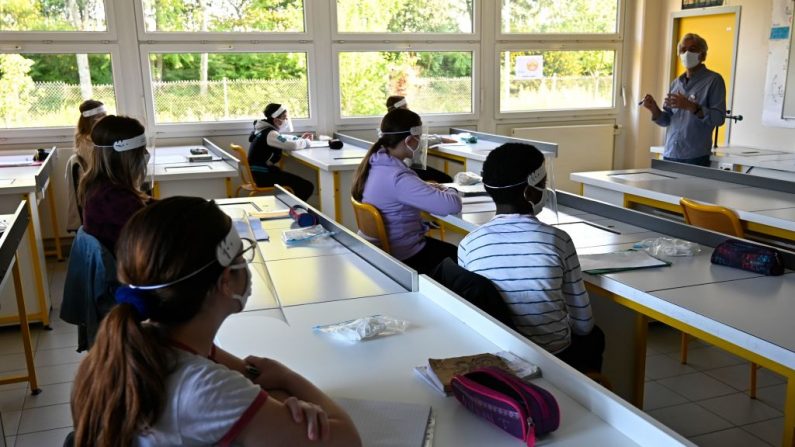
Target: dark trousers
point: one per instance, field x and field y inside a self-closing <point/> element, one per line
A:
<point x="434" y="252"/>
<point x="585" y="351"/>
<point x="698" y="161"/>
<point x="430" y="174"/>
<point x="302" y="188"/>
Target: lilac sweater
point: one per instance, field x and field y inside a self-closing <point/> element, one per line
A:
<point x="400" y="196"/>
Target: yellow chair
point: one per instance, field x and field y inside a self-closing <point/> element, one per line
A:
<point x="722" y="220"/>
<point x="247" y="182"/>
<point x="370" y="223"/>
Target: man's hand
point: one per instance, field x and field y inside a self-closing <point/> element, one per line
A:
<point x="650" y="103"/>
<point x="680" y="101"/>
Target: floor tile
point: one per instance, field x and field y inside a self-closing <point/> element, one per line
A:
<point x="50" y="357"/>
<point x="11" y="341"/>
<point x="13" y="386"/>
<point x="57" y="374"/>
<point x="657" y="396"/>
<point x="663" y="339"/>
<point x="60" y="338"/>
<point x="661" y="366"/>
<point x="739" y="376"/>
<point x="11" y="362"/>
<point x="11" y="441"/>
<point x="12" y="400"/>
<point x="733" y="437"/>
<point x="697" y="386"/>
<point x="690" y="419"/>
<point x="739" y="409"/>
<point x="710" y="357"/>
<point x="45" y="418"/>
<point x="11" y="422"/>
<point x="773" y="396"/>
<point x="771" y="431"/>
<point x="42" y="438"/>
<point x="58" y="393"/>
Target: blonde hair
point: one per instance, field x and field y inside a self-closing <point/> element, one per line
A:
<point x="83" y="144"/>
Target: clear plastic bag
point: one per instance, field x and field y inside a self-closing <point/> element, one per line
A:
<point x="304" y="234"/>
<point x="467" y="178"/>
<point x="364" y="328"/>
<point x="666" y="246"/>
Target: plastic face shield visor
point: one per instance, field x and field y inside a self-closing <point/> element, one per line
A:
<point x="287" y="125"/>
<point x="419" y="158"/>
<point x="550" y="211"/>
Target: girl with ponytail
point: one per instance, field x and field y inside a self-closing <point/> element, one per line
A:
<point x="154" y="376"/>
<point x="384" y="181"/>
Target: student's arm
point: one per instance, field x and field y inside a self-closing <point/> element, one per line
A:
<point x="286" y="142"/>
<point x="577" y="301"/>
<point x="413" y="191"/>
<point x="323" y="422"/>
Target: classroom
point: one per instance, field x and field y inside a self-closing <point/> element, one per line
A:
<point x="397" y="222"/>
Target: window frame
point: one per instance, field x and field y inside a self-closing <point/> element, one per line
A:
<point x="435" y="119"/>
<point x="61" y="133"/>
<point x="227" y="127"/>
<point x="255" y="37"/>
<point x="617" y="36"/>
<point x="387" y="38"/>
<point x="110" y="33"/>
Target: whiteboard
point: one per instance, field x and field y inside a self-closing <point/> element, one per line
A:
<point x="789" y="89"/>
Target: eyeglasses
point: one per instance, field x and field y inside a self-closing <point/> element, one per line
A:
<point x="248" y="251"/>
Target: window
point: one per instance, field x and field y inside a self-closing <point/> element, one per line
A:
<point x="194" y="87"/>
<point x="45" y="90"/>
<point x="432" y="82"/>
<point x="47" y="15"/>
<point x="404" y="16"/>
<point x="556" y="80"/>
<point x="223" y="15"/>
<point x="560" y="16"/>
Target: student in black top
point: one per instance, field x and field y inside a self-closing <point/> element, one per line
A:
<point x="265" y="151"/>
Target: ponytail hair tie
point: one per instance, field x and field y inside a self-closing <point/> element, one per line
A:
<point x="137" y="299"/>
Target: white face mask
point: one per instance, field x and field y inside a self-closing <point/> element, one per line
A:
<point x="243" y="299"/>
<point x="690" y="59"/>
<point x="286" y="126"/>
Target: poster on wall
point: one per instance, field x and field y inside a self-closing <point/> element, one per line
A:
<point x="777" y="56"/>
<point x="529" y="67"/>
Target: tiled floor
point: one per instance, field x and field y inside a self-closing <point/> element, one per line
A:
<point x="704" y="400"/>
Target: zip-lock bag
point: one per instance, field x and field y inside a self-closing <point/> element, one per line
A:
<point x="748" y="256"/>
<point x="518" y="407"/>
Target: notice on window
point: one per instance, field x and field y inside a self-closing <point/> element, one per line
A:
<point x="529" y="67"/>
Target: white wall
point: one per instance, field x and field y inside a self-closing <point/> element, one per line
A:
<point x="650" y="64"/>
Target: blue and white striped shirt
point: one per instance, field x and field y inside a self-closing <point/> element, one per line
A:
<point x="536" y="269"/>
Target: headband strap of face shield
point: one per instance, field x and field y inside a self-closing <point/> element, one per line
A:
<point x="95" y="111"/>
<point x="126" y="145"/>
<point x="399" y="104"/>
<point x="278" y="112"/>
<point x="416" y="131"/>
<point x="225" y="252"/>
<point x="533" y="179"/>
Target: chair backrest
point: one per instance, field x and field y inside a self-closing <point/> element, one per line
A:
<point x="370" y="223"/>
<point x="712" y="217"/>
<point x="245" y="168"/>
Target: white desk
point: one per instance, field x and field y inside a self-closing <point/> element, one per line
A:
<point x="742" y="158"/>
<point x="442" y="324"/>
<point x="742" y="312"/>
<point x="174" y="175"/>
<point x="33" y="184"/>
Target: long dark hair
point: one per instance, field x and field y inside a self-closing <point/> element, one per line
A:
<point x="396" y="120"/>
<point x="125" y="169"/>
<point x="119" y="389"/>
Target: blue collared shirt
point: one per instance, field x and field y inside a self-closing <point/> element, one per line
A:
<point x="689" y="136"/>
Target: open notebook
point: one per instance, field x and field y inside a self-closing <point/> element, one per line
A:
<point x="389" y="424"/>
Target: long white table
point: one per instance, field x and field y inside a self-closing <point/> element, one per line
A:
<point x="31" y="182"/>
<point x="771" y="163"/>
<point x="344" y="278"/>
<point x="175" y="175"/>
<point x="745" y="313"/>
<point x="765" y="206"/>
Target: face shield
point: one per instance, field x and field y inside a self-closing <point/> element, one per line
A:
<point x="418" y="145"/>
<point x="137" y="142"/>
<point x="546" y="208"/>
<point x="286" y="124"/>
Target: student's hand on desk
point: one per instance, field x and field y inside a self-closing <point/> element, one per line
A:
<point x="308" y="136"/>
<point x="680" y="101"/>
<point x="317" y="425"/>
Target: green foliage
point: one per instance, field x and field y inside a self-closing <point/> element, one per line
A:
<point x="49" y="67"/>
<point x="52" y="15"/>
<point x="15" y="87"/>
<point x="559" y="16"/>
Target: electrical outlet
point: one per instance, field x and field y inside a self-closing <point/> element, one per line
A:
<point x="726" y="166"/>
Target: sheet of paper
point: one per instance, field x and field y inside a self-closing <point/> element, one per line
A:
<point x="618" y="261"/>
<point x="388" y="424"/>
<point x="318" y="144"/>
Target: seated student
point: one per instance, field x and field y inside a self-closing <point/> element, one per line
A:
<point x="155" y="377"/>
<point x="91" y="111"/>
<point x="383" y="180"/>
<point x="267" y="144"/>
<point x="533" y="265"/>
<point x="428" y="174"/>
<point x="111" y="189"/>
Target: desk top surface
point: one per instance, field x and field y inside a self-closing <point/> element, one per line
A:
<point x="19" y="174"/>
<point x="171" y="163"/>
<point x="346" y="159"/>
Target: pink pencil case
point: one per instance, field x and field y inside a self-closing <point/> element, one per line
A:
<point x="518" y="407"/>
